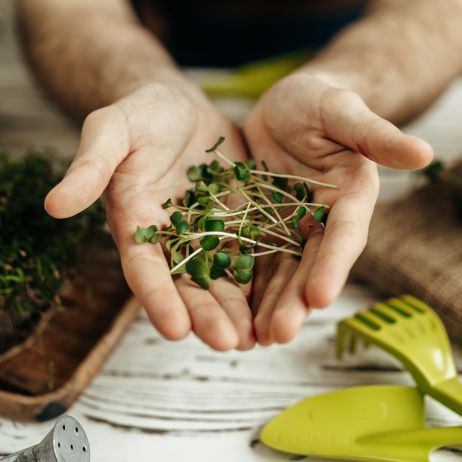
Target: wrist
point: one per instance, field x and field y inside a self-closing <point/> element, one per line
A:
<point x="167" y="78"/>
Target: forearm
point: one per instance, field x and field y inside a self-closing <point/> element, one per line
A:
<point x="399" y="57"/>
<point x="90" y="53"/>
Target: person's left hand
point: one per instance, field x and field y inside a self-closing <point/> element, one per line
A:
<point x="304" y="126"/>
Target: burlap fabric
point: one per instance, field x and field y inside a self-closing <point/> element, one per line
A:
<point x="415" y="246"/>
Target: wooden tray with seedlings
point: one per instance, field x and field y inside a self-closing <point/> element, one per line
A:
<point x="63" y="300"/>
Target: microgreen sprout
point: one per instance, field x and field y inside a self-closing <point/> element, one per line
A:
<point x="209" y="240"/>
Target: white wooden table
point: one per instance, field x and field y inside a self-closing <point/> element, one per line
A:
<point x="181" y="402"/>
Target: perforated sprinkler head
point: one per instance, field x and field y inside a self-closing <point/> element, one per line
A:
<point x="66" y="442"/>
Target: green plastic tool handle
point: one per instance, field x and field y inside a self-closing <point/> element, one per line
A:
<point x="448" y="393"/>
<point x="428" y="439"/>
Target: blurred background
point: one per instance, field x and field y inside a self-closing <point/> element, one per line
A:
<point x="29" y="120"/>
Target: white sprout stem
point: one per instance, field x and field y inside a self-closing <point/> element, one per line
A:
<point x="294" y="177"/>
<point x="279" y="236"/>
<point x="224" y="158"/>
<point x="219" y="213"/>
<point x="268" y="252"/>
<point x="219" y="202"/>
<point x="274" y="210"/>
<point x="245" y="239"/>
<point x="267" y="215"/>
<point x="185" y="260"/>
<point x="244" y="218"/>
<point x="279" y="190"/>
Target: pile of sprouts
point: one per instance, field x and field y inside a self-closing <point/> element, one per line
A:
<point x="209" y="239"/>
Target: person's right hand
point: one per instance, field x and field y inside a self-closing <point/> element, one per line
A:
<point x="138" y="150"/>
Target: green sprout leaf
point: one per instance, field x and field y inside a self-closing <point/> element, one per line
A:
<point x="214" y="225"/>
<point x="241" y="172"/>
<point x="244" y="249"/>
<point x="149" y="234"/>
<point x="219" y="142"/>
<point x="250" y="164"/>
<point x="204" y="201"/>
<point x="277" y="197"/>
<point x="189" y="198"/>
<point x="251" y="232"/>
<point x="319" y="214"/>
<point x="194" y="173"/>
<point x="244" y="263"/>
<point x="201" y="188"/>
<point x="214" y="188"/>
<point x="181" y="227"/>
<point x="175" y="218"/>
<point x="281" y="183"/>
<point x="209" y="242"/>
<point x="221" y="260"/>
<point x="199" y="271"/>
<point x="199" y="223"/>
<point x="167" y="204"/>
<point x="301" y="212"/>
<point x="301" y="191"/>
<point x="214" y="168"/>
<point x="242" y="276"/>
<point x="216" y="272"/>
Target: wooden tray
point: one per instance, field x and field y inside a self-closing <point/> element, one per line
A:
<point x="42" y="377"/>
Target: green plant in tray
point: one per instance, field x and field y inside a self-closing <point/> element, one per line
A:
<point x="37" y="252"/>
<point x="232" y="215"/>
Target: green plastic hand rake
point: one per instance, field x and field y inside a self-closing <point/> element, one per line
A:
<point x="413" y="333"/>
<point x="370" y="423"/>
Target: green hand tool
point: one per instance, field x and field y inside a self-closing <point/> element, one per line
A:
<point x="414" y="334"/>
<point x="370" y="423"/>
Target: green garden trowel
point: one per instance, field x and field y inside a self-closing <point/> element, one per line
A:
<point x="369" y="423"/>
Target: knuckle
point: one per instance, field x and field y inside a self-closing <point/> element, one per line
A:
<point x="97" y="117"/>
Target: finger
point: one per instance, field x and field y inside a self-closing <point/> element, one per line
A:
<point x="209" y="321"/>
<point x="235" y="304"/>
<point x="344" y="240"/>
<point x="148" y="275"/>
<point x="284" y="267"/>
<point x="357" y="127"/>
<point x="292" y="306"/>
<point x="263" y="272"/>
<point x="104" y="144"/>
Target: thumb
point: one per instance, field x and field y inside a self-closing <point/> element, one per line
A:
<point x="357" y="127"/>
<point x="103" y="145"/>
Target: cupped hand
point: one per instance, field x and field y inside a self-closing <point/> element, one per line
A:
<point x="138" y="150"/>
<point x="306" y="127"/>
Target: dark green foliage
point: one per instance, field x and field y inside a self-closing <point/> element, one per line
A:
<point x="37" y="252"/>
